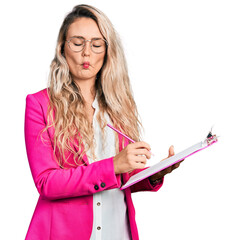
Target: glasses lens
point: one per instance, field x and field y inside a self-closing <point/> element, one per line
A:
<point x="76" y="44"/>
<point x="98" y="45"/>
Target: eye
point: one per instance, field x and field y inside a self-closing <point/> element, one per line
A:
<point x="77" y="41"/>
<point x="97" y="46"/>
<point x="98" y="43"/>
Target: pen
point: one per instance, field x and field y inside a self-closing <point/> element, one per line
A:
<point x="130" y="139"/>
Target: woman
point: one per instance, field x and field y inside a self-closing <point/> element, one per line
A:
<point x="78" y="164"/>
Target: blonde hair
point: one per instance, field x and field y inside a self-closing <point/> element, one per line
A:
<point x="112" y="86"/>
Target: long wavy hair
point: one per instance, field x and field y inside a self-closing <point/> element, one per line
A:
<point x="66" y="109"/>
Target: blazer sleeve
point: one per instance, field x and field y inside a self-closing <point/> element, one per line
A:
<point x="51" y="181"/>
<point x="145" y="184"/>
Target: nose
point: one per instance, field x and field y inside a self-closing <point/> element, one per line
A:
<point x="86" y="50"/>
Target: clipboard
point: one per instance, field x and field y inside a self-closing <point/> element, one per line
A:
<point x="210" y="140"/>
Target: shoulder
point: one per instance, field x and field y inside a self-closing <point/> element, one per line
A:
<point x="38" y="101"/>
<point x="41" y="96"/>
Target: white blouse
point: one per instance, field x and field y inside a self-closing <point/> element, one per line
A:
<point x="110" y="220"/>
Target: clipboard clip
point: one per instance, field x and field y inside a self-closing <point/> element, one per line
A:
<point x="211" y="138"/>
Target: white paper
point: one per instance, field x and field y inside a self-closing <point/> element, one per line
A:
<point x="164" y="164"/>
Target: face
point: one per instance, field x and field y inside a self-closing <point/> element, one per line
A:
<point x="88" y="29"/>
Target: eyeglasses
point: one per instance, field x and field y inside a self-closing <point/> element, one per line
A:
<point x="77" y="44"/>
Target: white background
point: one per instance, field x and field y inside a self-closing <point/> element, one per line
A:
<point x="186" y="64"/>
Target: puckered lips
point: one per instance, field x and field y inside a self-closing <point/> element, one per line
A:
<point x="86" y="64"/>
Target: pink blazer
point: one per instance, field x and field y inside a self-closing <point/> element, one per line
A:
<point x="64" y="209"/>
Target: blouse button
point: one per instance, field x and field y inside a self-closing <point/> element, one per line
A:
<point x="98" y="228"/>
<point x="98" y="203"/>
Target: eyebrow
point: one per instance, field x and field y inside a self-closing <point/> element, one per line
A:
<point x="84" y="37"/>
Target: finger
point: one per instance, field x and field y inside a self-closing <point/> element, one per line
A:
<point x="158" y="175"/>
<point x="143" y="152"/>
<point x="167" y="170"/>
<point x="176" y="165"/>
<point x="138" y="165"/>
<point x="171" y="151"/>
<point x="141" y="159"/>
<point x="141" y="145"/>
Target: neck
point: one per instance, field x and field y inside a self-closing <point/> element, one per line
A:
<point x="87" y="88"/>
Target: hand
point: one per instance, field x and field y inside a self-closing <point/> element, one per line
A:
<point x="131" y="158"/>
<point x="165" y="171"/>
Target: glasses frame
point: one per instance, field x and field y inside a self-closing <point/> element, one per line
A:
<point x="90" y="40"/>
